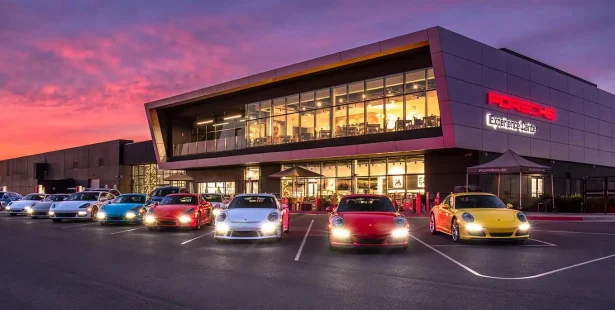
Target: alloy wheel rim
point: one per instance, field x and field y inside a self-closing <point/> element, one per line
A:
<point x="455" y="231"/>
<point x="432" y="225"/>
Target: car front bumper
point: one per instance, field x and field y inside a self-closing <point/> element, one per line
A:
<point x="17" y="212"/>
<point x="364" y="241"/>
<point x="70" y="215"/>
<point x="170" y="222"/>
<point x="120" y="219"/>
<point x="246" y="231"/>
<point x="511" y="233"/>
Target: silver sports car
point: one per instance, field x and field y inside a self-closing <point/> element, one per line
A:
<point x="252" y="217"/>
<point x="41" y="209"/>
<point x="21" y="207"/>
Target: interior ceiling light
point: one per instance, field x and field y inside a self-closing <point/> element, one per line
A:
<point x="205" y="122"/>
<point x="232" y="117"/>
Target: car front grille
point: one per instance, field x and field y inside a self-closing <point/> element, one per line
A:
<point x="16" y="210"/>
<point x="166" y="222"/>
<point x="370" y="241"/>
<point x="245" y="234"/>
<point x="499" y="234"/>
<point x="39" y="213"/>
<point x="114" y="218"/>
<point x="66" y="214"/>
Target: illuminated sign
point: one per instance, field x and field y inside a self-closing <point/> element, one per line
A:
<point x="520" y="105"/>
<point x="498" y="122"/>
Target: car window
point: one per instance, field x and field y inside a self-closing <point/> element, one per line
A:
<point x="253" y="202"/>
<point x="83" y="197"/>
<point x="479" y="202"/>
<point x="212" y="197"/>
<point x="34" y="197"/>
<point x="179" y="200"/>
<point x="56" y="198"/>
<point x="366" y="204"/>
<point x="129" y="199"/>
<point x="447" y="200"/>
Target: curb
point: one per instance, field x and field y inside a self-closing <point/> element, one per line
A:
<point x="555" y="218"/>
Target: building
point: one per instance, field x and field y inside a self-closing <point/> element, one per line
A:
<point x="399" y="117"/>
<point x="118" y="164"/>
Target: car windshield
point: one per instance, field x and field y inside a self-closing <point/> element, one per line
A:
<point x="129" y="199"/>
<point x="83" y="197"/>
<point x="253" y="202"/>
<point x="179" y="200"/>
<point x="34" y="197"/>
<point x="56" y="197"/>
<point x="213" y="198"/>
<point x="366" y="204"/>
<point x="161" y="192"/>
<point x="479" y="201"/>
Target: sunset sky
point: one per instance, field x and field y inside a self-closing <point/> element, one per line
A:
<point x="79" y="72"/>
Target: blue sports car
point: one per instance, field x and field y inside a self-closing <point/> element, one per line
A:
<point x="124" y="209"/>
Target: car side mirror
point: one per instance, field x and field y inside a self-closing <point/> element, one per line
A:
<point x="445" y="207"/>
<point x="329" y="209"/>
<point x="509" y="206"/>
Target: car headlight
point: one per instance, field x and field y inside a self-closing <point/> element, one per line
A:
<point x="83" y="206"/>
<point x="51" y="213"/>
<point x="27" y="207"/>
<point x="129" y="215"/>
<point x="8" y="208"/>
<point x="184" y="219"/>
<point x="53" y="205"/>
<point x="222" y="228"/>
<point x="82" y="213"/>
<point x="521" y="217"/>
<point x="473" y="227"/>
<point x="217" y="211"/>
<point x="524" y="226"/>
<point x="467" y="217"/>
<point x="150" y="219"/>
<point x="337" y="221"/>
<point x="29" y="210"/>
<point x="400" y="221"/>
<point x="399" y="233"/>
<point x="340" y="233"/>
<point x="101" y="215"/>
<point x="273" y="216"/>
<point x="221" y="217"/>
<point x="269" y="228"/>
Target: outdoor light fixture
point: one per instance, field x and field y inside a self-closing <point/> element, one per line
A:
<point x="232" y="117"/>
<point x="205" y="122"/>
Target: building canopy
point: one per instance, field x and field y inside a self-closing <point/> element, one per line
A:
<point x="509" y="162"/>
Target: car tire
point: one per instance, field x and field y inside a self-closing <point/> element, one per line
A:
<point x="93" y="214"/>
<point x="212" y="220"/>
<point x="56" y="220"/>
<point x="432" y="224"/>
<point x="197" y="224"/>
<point x="455" y="231"/>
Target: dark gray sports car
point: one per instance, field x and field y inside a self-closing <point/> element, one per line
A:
<point x="41" y="209"/>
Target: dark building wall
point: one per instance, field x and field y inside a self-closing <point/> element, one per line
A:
<point x="138" y="153"/>
<point x="270" y="185"/>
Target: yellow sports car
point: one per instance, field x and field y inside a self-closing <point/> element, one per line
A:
<point x="478" y="216"/>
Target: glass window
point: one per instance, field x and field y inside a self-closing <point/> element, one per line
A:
<point x="292" y="103"/>
<point x="265" y="109"/>
<point x="340" y="120"/>
<point x="415" y="165"/>
<point x="323" y="98"/>
<point x="394" y="85"/>
<point x="344" y="169"/>
<point x="279" y="106"/>
<point x="431" y="80"/>
<point x="253" y="110"/>
<point x="323" y="123"/>
<point x="253" y="133"/>
<point x="537" y="186"/>
<point x="374" y="89"/>
<point x="377" y="167"/>
<point x="362" y="167"/>
<point x="394" y="119"/>
<point x="307" y="126"/>
<point x="433" y="110"/>
<point x="396" y="166"/>
<point x="328" y="170"/>
<point x="307" y="101"/>
<point x="279" y="129"/>
<point x="356" y="92"/>
<point x="415" y="81"/>
<point x="374" y="117"/>
<point x="356" y="118"/>
<point x="252" y="173"/>
<point x="415" y="110"/>
<point x="292" y="129"/>
<point x="339" y="95"/>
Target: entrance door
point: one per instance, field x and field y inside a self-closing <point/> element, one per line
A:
<point x="251" y="187"/>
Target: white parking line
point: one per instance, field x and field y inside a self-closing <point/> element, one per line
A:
<point x="506" y="278"/>
<point x="201" y="236"/>
<point x="307" y="232"/>
<point x="576" y="232"/>
<point x="123" y="231"/>
<point x="547" y="243"/>
<point x="77" y="225"/>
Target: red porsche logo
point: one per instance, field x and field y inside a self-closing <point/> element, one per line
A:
<point x="520" y="105"/>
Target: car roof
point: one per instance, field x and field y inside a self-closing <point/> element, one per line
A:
<point x="364" y="195"/>
<point x="212" y="194"/>
<point x="91" y="192"/>
<point x="473" y="194"/>
<point x="261" y="195"/>
<point x="183" y="194"/>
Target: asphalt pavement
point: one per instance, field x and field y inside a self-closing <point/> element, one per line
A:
<point x="83" y="265"/>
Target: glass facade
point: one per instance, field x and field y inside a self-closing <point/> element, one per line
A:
<point x="399" y="177"/>
<point x="404" y="101"/>
<point x="147" y="177"/>
<point x="226" y="188"/>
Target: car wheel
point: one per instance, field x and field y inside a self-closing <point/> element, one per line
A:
<point x="212" y="219"/>
<point x="432" y="225"/>
<point x="56" y="220"/>
<point x="455" y="231"/>
<point x="94" y="213"/>
<point x="197" y="224"/>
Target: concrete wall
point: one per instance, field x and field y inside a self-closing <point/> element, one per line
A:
<point x="583" y="131"/>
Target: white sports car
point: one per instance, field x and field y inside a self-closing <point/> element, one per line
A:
<point x="252" y="217"/>
<point x="79" y="206"/>
<point x="21" y="207"/>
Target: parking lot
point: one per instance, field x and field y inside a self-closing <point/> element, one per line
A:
<point x="566" y="265"/>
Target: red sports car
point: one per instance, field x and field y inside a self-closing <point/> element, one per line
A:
<point x="179" y="210"/>
<point x="367" y="221"/>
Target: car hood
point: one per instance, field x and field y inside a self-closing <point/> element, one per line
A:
<point x="491" y="215"/>
<point x="171" y="210"/>
<point x="369" y="222"/>
<point x="248" y="215"/>
<point x="20" y="204"/>
<point x="71" y="205"/>
<point x="43" y="205"/>
<point x="120" y="208"/>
